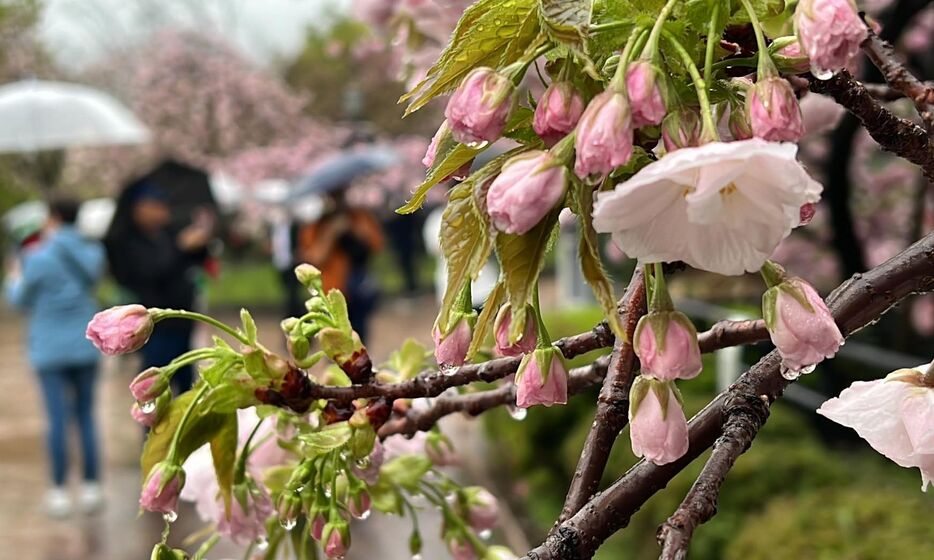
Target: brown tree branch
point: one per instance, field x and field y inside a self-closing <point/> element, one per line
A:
<point x="724" y="334"/>
<point x="612" y="404"/>
<point x="899" y="136"/>
<point x="899" y="78"/>
<point x="855" y="304"/>
<point x="885" y="92"/>
<point x="475" y="404"/>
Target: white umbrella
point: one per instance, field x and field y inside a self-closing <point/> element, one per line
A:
<point x="41" y="115"/>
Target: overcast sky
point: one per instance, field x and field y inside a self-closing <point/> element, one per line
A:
<point x="78" y="31"/>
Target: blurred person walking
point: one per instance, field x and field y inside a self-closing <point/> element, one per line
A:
<point x="159" y="267"/>
<point x="340" y="244"/>
<point x="53" y="281"/>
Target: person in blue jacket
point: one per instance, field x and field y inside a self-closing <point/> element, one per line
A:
<point x="53" y="282"/>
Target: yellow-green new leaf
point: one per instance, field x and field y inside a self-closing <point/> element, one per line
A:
<point x="485" y="321"/>
<point x="224" y="457"/>
<point x="591" y="265"/>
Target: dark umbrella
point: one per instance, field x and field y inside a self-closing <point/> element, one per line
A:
<point x="339" y="171"/>
<point x="186" y="188"/>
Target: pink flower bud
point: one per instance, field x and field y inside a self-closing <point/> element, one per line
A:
<point x="830" y="32"/>
<point x="528" y="188"/>
<point x="478" y="110"/>
<point x="645" y="96"/>
<point x="806" y="213"/>
<point x="800" y="325"/>
<point x="657" y="426"/>
<point x="369" y="471"/>
<point x="558" y="111"/>
<point x="440" y="451"/>
<point x="666" y="343"/>
<point x="337" y="540"/>
<point x="150" y="412"/>
<point x="162" y="487"/>
<point x="359" y="505"/>
<point x="121" y="329"/>
<point x="740" y="127"/>
<point x="604" y="135"/>
<point x="317" y="526"/>
<point x="461" y="549"/>
<point x="431" y="154"/>
<point x="482" y="509"/>
<point x="681" y="129"/>
<point x="501" y="327"/>
<point x="451" y="348"/>
<point x="541" y="379"/>
<point x="148" y="385"/>
<point x="773" y="111"/>
<point x="792" y="58"/>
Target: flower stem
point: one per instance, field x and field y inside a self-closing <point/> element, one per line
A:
<point x="747" y="62"/>
<point x="163" y="314"/>
<point x="712" y="39"/>
<point x="651" y="47"/>
<point x="609" y="26"/>
<point x="189" y="357"/>
<point x="766" y="67"/>
<point x="240" y="468"/>
<point x="709" y="128"/>
<point x="171" y="456"/>
<point x="544" y="341"/>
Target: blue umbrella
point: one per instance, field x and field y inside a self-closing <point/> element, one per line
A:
<point x="339" y="171"/>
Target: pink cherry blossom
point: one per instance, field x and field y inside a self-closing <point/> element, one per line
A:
<point x="451" y="348"/>
<point x="558" y="111"/>
<point x="658" y="433"/>
<point x="830" y="31"/>
<point x="148" y="385"/>
<point x="681" y="129"/>
<point x="482" y="509"/>
<point x="894" y="415"/>
<point x="501" y="327"/>
<point x="773" y="111"/>
<point x="721" y="207"/>
<point x="804" y="337"/>
<point x="541" y="379"/>
<point x="246" y="525"/>
<point x="478" y="110"/>
<point x="461" y="549"/>
<point x="526" y="190"/>
<point x="335" y="547"/>
<point x="604" y="135"/>
<point x="678" y="356"/>
<point x="793" y="58"/>
<point x="645" y="95"/>
<point x="162" y="488"/>
<point x="121" y="329"/>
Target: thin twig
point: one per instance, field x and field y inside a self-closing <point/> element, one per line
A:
<point x="855" y="304"/>
<point x="885" y="92"/>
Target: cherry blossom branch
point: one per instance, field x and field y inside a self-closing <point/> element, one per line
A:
<point x="725" y="334"/>
<point x="883" y="56"/>
<point x="885" y="92"/>
<point x="475" y="404"/>
<point x="899" y="136"/>
<point x="856" y="303"/>
<point x="612" y="404"/>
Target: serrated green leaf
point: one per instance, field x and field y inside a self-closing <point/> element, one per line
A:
<point x="591" y="265"/>
<point x="229" y="397"/>
<point x="406" y="471"/>
<point x="199" y="429"/>
<point x="224" y="456"/>
<point x="521" y="259"/>
<point x="327" y="439"/>
<point x="337" y="306"/>
<point x="385" y="497"/>
<point x="567" y="21"/>
<point x="249" y="325"/>
<point x="487" y="316"/>
<point x="490" y="33"/>
<point x="216" y="372"/>
<point x="451" y="160"/>
<point x="409" y="359"/>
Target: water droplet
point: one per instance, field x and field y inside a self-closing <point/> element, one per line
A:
<point x="485" y="534"/>
<point x="821" y="73"/>
<point x="477" y="145"/>
<point x="518" y="414"/>
<point x="288" y="524"/>
<point x="300" y="489"/>
<point x="148" y="407"/>
<point x="327" y="493"/>
<point x="416" y="557"/>
<point x="262" y="543"/>
<point x="364" y="463"/>
<point x="170" y="516"/>
<point x="363" y="516"/>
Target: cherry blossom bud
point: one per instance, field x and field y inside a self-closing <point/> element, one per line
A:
<point x="773" y="111"/>
<point x="318" y="524"/>
<point x="289" y="507"/>
<point x="150" y="412"/>
<point x="461" y="549"/>
<point x="541" y="379"/>
<point x="806" y="213"/>
<point x="604" y="135"/>
<point x="502" y="325"/>
<point x="162" y="487"/>
<point x="681" y="129"/>
<point x="800" y="325"/>
<point x="558" y="111"/>
<point x="478" y="110"/>
<point x="367" y="469"/>
<point x="336" y="539"/>
<point x="482" y="508"/>
<point x="499" y="553"/>
<point x="359" y="505"/>
<point x="432" y="153"/>
<point x="894" y="415"/>
<point x="451" y="348"/>
<point x="830" y="32"/>
<point x="308" y="276"/>
<point x="740" y="127"/>
<point x="528" y="188"/>
<point x="347" y="351"/>
<point x="657" y="426"/>
<point x="148" y="385"/>
<point x="645" y="95"/>
<point x="666" y="343"/>
<point x="792" y="58"/>
<point x="121" y="329"/>
<point x="440" y="450"/>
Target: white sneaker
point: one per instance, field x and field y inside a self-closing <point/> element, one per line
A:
<point x="91" y="497"/>
<point x="57" y="503"/>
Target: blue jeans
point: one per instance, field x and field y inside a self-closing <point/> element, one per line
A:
<point x="68" y="392"/>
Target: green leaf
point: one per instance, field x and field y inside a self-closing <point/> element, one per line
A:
<point x="224" y="456"/>
<point x="231" y="396"/>
<point x="409" y="359"/>
<point x="490" y="33"/>
<point x="521" y="259"/>
<point x="327" y="439"/>
<point x="452" y="159"/>
<point x="199" y="429"/>
<point x="406" y="471"/>
<point x="214" y="374"/>
<point x="591" y="265"/>
<point x="385" y="497"/>
<point x="568" y="21"/>
<point x="249" y="325"/>
<point x="487" y="316"/>
<point x="337" y="306"/>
